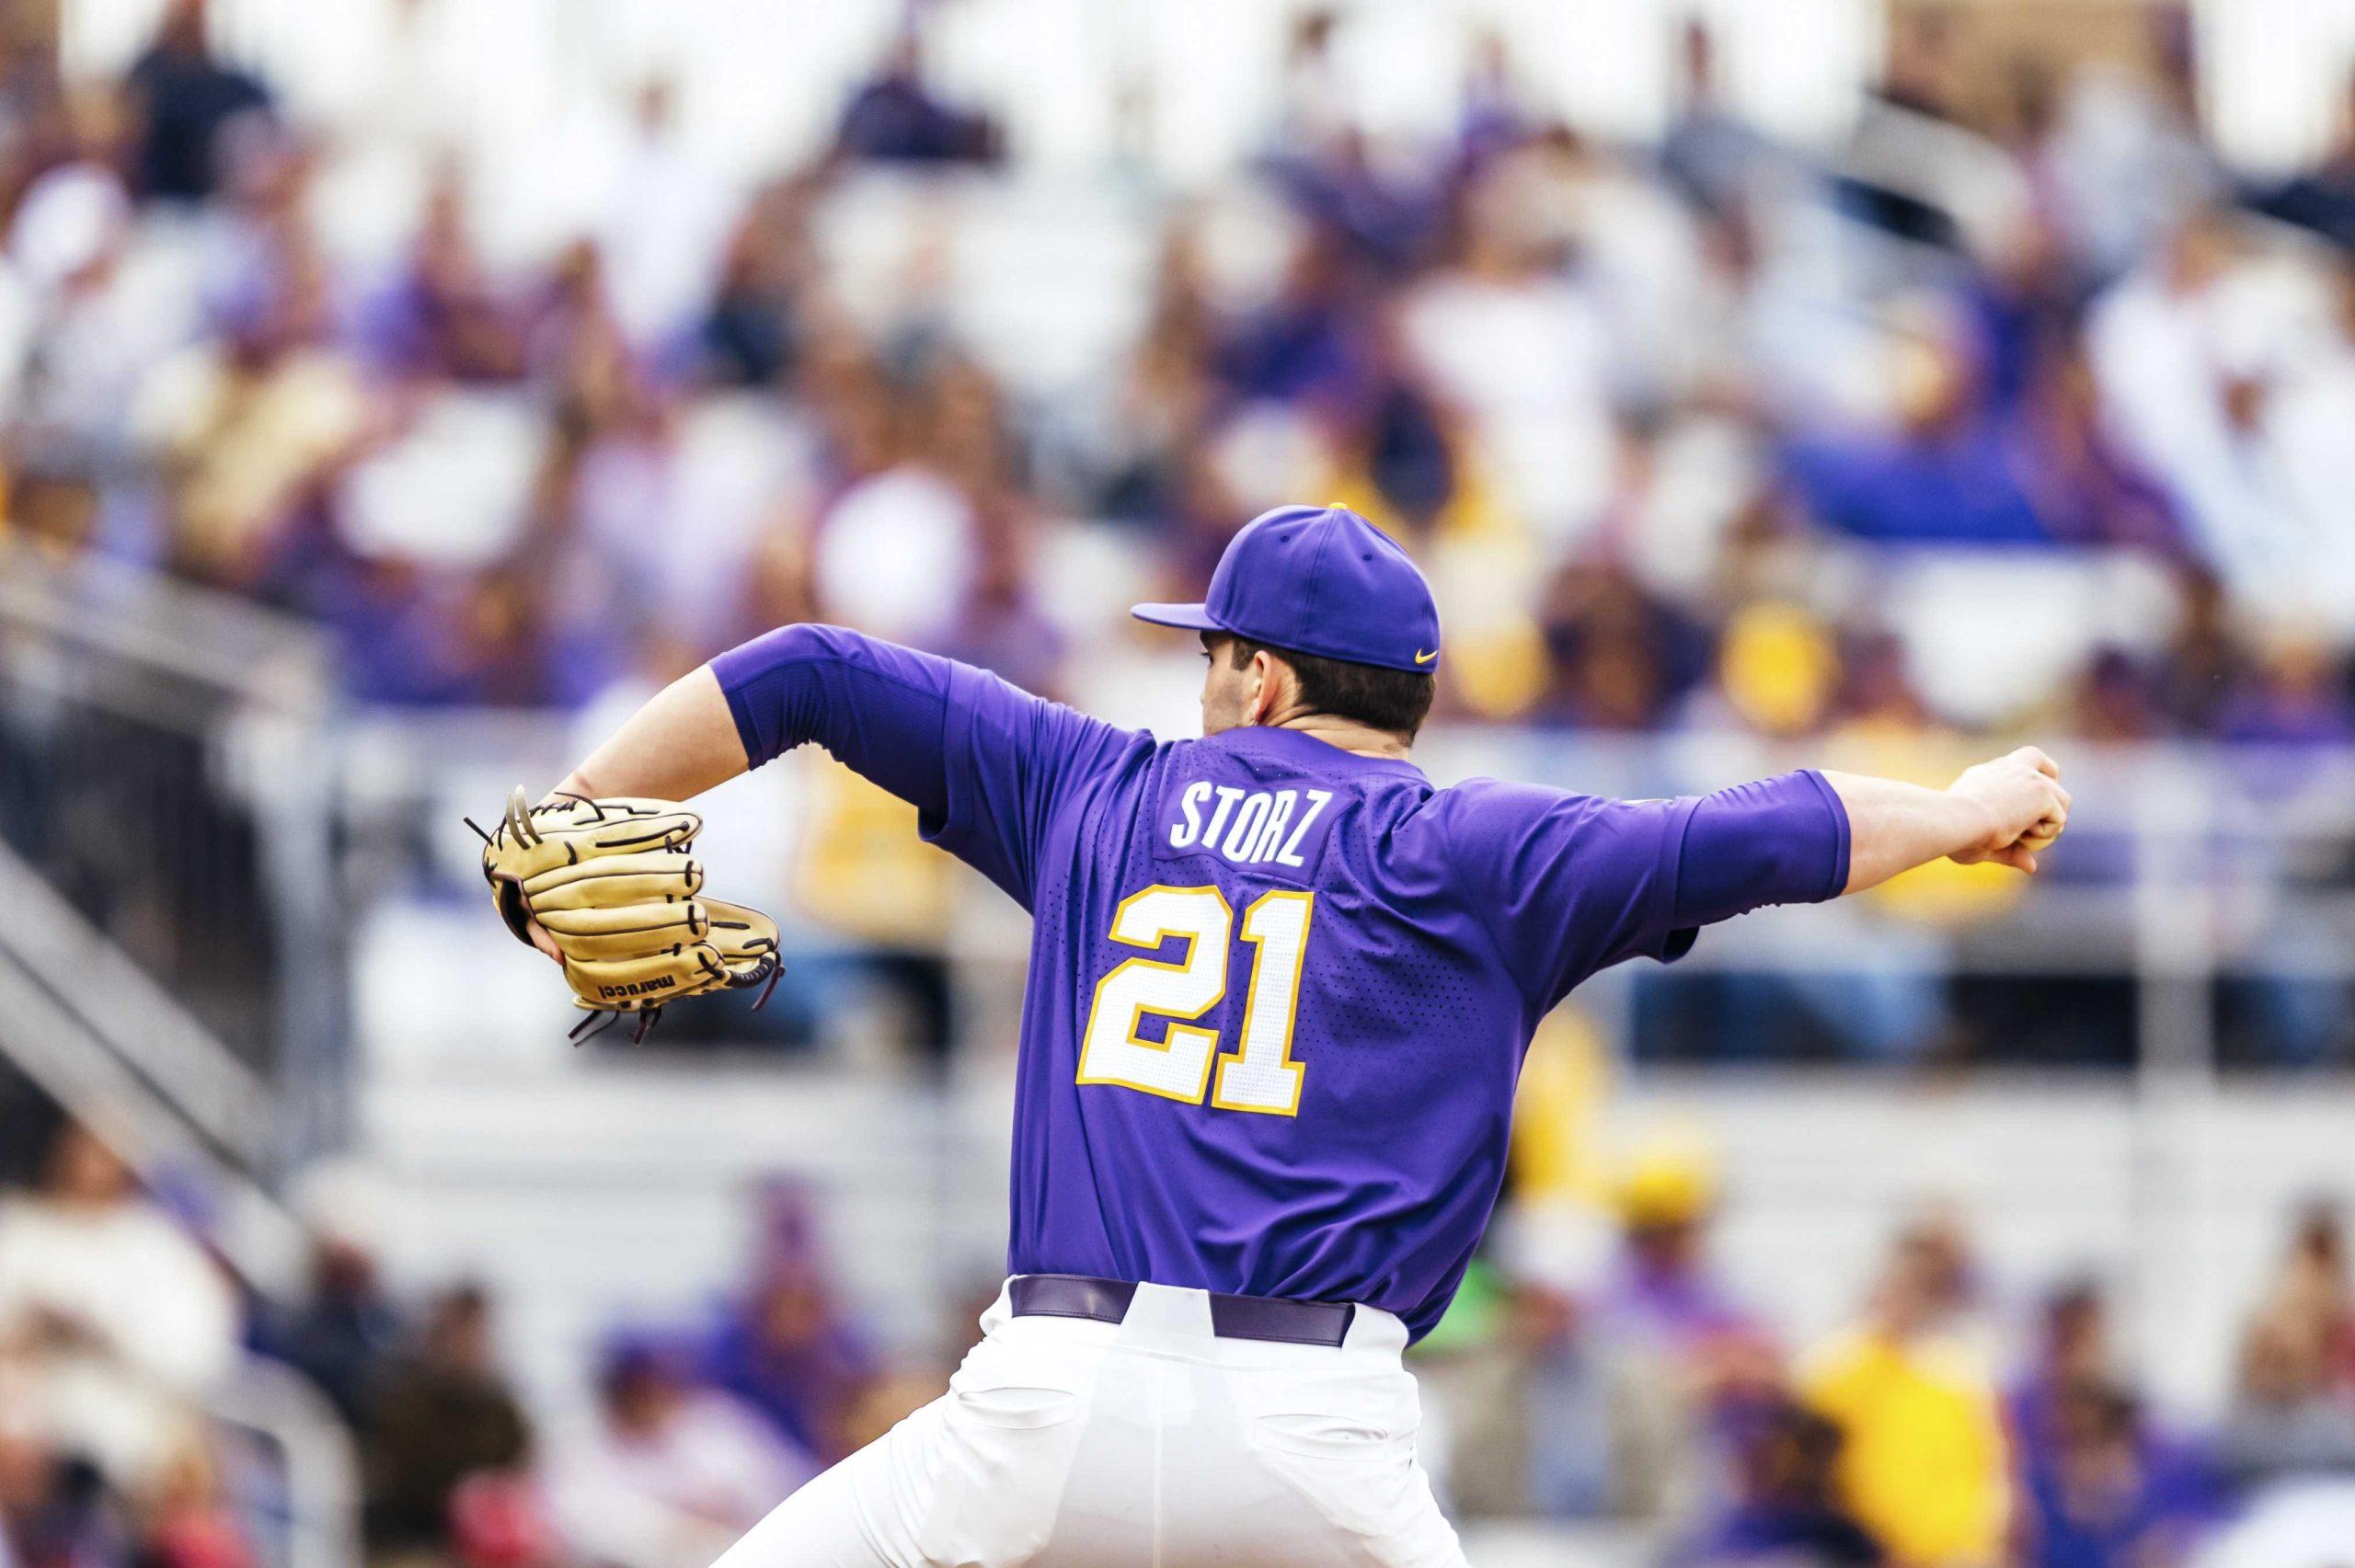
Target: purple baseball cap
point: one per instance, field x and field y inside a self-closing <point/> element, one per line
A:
<point x="1320" y="581"/>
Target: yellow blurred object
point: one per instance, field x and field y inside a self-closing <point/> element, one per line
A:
<point x="1481" y="567"/>
<point x="863" y="870"/>
<point x="1558" y="1111"/>
<point x="1670" y="1178"/>
<point x="1500" y="670"/>
<point x="1922" y="1464"/>
<point x="1471" y="508"/>
<point x="1940" y="893"/>
<point x="240" y="446"/>
<point x="1778" y="667"/>
<point x="1485" y="582"/>
<point x="1943" y="893"/>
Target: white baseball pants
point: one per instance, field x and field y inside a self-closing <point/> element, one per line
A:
<point x="1064" y="1443"/>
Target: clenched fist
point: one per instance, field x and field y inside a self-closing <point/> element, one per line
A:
<point x="2019" y="798"/>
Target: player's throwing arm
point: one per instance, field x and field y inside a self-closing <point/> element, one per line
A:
<point x="2008" y="812"/>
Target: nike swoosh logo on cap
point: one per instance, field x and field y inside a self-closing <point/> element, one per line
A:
<point x="1422" y="658"/>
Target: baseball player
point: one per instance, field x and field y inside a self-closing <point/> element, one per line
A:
<point x="1279" y="988"/>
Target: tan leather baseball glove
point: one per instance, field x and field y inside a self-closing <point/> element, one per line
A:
<point x="614" y="886"/>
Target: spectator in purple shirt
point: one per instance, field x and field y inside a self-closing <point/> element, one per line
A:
<point x="2101" y="1485"/>
<point x="1956" y="470"/>
<point x="2297" y="696"/>
<point x="1304" y="343"/>
<point x="442" y="317"/>
<point x="1786" y="1514"/>
<point x="2104" y="1492"/>
<point x="786" y="1347"/>
<point x="787" y="1350"/>
<point x="1664" y="1289"/>
<point x="897" y="118"/>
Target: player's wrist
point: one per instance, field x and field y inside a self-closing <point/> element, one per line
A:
<point x="1974" y="822"/>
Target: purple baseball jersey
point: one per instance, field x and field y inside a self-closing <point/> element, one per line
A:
<point x="1278" y="994"/>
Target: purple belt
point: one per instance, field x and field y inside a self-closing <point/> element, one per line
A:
<point x="1231" y="1316"/>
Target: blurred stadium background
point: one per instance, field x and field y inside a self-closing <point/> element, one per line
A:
<point x="393" y="391"/>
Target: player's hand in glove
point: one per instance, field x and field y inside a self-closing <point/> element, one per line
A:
<point x="610" y="889"/>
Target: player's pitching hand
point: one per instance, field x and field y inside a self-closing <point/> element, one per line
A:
<point x="2017" y="808"/>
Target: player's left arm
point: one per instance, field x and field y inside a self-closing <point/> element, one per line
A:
<point x="586" y="878"/>
<point x="882" y="710"/>
<point x="681" y="743"/>
<point x="984" y="764"/>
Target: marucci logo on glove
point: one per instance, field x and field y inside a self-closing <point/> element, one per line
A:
<point x="641" y="988"/>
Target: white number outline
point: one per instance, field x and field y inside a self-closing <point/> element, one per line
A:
<point x="1096" y="1065"/>
<point x="1274" y="983"/>
<point x="1267" y="978"/>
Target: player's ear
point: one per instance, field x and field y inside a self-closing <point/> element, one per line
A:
<point x="1261" y="693"/>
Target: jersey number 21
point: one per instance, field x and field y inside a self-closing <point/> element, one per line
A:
<point x="1259" y="1074"/>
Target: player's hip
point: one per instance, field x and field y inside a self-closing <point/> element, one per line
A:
<point x="1212" y="1354"/>
<point x="1065" y="1440"/>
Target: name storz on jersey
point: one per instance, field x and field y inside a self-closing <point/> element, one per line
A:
<point x="1256" y="826"/>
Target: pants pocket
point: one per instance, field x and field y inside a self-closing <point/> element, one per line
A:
<point x="1323" y="1437"/>
<point x="1337" y="1416"/>
<point x="1016" y="1387"/>
<point x="1000" y="1454"/>
<point x="1014" y="1407"/>
<point x="1345" y="1446"/>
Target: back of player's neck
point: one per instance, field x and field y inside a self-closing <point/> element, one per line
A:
<point x="1358" y="739"/>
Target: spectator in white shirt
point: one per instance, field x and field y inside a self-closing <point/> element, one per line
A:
<point x="670" y="1473"/>
<point x="114" y="1318"/>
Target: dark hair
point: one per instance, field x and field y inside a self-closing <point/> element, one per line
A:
<point x="1380" y="698"/>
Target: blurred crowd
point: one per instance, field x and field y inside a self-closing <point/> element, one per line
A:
<point x="1673" y="425"/>
<point x="2015" y="409"/>
<point x="1712" y="430"/>
<point x="1949" y="1424"/>
<point x="121" y="1329"/>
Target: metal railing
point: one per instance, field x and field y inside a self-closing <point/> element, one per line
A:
<point x="164" y="767"/>
<point x="316" y="1457"/>
<point x="2186" y="866"/>
<point x="170" y="966"/>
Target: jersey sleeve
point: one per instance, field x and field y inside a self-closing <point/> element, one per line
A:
<point x="1779" y="841"/>
<point x="986" y="765"/>
<point x="1574" y="884"/>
